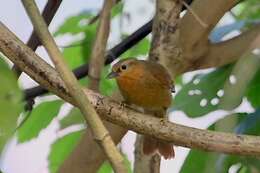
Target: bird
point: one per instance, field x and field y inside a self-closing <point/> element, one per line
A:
<point x="148" y="85"/>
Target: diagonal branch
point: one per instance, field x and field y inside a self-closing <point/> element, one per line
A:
<point x="126" y="117"/>
<point x="98" y="129"/>
<point x="48" y="13"/>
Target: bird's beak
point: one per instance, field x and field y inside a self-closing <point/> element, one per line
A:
<point x="112" y="75"/>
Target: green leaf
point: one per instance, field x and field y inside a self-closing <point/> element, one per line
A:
<point x="40" y="118"/>
<point x="79" y="23"/>
<point x="73" y="55"/>
<point x="79" y="52"/>
<point x="74" y="117"/>
<point x="117" y="9"/>
<point x="202" y="88"/>
<point x="253" y="91"/>
<point x="248" y="10"/>
<point x="61" y="149"/>
<point x="74" y="24"/>
<point x="107" y="86"/>
<point x="141" y="48"/>
<point x="244" y="169"/>
<point x="106" y="167"/>
<point x="250" y="125"/>
<point x="10" y="101"/>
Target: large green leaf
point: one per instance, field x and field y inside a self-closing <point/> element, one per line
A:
<point x="61" y="149"/>
<point x="141" y="48"/>
<point x="249" y="9"/>
<point x="79" y="51"/>
<point x="196" y="98"/>
<point x="74" y="24"/>
<point x="40" y="118"/>
<point x="10" y="103"/>
<point x="79" y="23"/>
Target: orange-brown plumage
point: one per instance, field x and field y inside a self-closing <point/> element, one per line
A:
<point x="148" y="85"/>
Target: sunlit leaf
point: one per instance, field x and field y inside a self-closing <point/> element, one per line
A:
<point x="74" y="24"/>
<point x="10" y="102"/>
<point x="79" y="52"/>
<point x="248" y="10"/>
<point x="39" y="119"/>
<point x="141" y="48"/>
<point x="61" y="149"/>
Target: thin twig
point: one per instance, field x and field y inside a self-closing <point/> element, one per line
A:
<point x="194" y="14"/>
<point x="99" y="131"/>
<point x="97" y="59"/>
<point x="48" y="13"/>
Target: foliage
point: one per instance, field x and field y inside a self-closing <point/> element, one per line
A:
<point x="38" y="119"/>
<point x="207" y="162"/>
<point x="248" y="10"/>
<point x="61" y="149"/>
<point x="10" y="102"/>
<point x="196" y="98"/>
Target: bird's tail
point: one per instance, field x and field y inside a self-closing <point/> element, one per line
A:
<point x="151" y="145"/>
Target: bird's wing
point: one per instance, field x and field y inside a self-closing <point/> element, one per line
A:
<point x="161" y="75"/>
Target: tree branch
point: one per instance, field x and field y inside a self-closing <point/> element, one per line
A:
<point x="97" y="59"/>
<point x="229" y="51"/>
<point x="32" y="64"/>
<point x="165" y="36"/>
<point x="87" y="156"/>
<point x="98" y="129"/>
<point x="111" y="55"/>
<point x="48" y="13"/>
<point x="126" y="117"/>
<point x="190" y="40"/>
<point x="145" y="163"/>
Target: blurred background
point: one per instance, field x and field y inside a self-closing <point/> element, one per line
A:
<point x="54" y="127"/>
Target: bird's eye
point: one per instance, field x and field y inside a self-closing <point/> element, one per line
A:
<point x="123" y="67"/>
